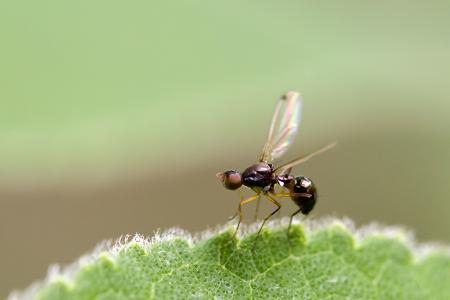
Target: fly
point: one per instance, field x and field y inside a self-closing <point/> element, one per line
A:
<point x="263" y="177"/>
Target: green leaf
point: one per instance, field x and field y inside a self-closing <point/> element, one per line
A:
<point x="320" y="262"/>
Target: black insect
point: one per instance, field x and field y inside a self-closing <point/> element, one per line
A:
<point x="263" y="178"/>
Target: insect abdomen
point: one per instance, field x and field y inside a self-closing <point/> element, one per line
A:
<point x="306" y="202"/>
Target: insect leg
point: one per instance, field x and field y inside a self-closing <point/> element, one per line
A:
<point x="290" y="224"/>
<point x="239" y="210"/>
<point x="236" y="213"/>
<point x="257" y="208"/>
<point x="292" y="194"/>
<point x="291" y="219"/>
<point x="274" y="201"/>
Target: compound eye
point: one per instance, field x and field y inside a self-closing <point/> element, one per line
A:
<point x="231" y="180"/>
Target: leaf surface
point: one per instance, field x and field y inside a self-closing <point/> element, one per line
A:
<point x="326" y="263"/>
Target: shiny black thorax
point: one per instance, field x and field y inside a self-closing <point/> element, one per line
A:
<point x="258" y="177"/>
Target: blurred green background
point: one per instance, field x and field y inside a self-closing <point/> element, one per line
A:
<point x="115" y="116"/>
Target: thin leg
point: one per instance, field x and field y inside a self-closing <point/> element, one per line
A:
<point x="236" y="213"/>
<point x="290" y="222"/>
<point x="274" y="201"/>
<point x="257" y="208"/>
<point x="233" y="217"/>
<point x="292" y="194"/>
<point x="297" y="211"/>
<point x="239" y="210"/>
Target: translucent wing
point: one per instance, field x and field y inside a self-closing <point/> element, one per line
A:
<point x="286" y="168"/>
<point x="284" y="125"/>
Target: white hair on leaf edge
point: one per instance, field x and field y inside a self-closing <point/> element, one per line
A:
<point x="112" y="249"/>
